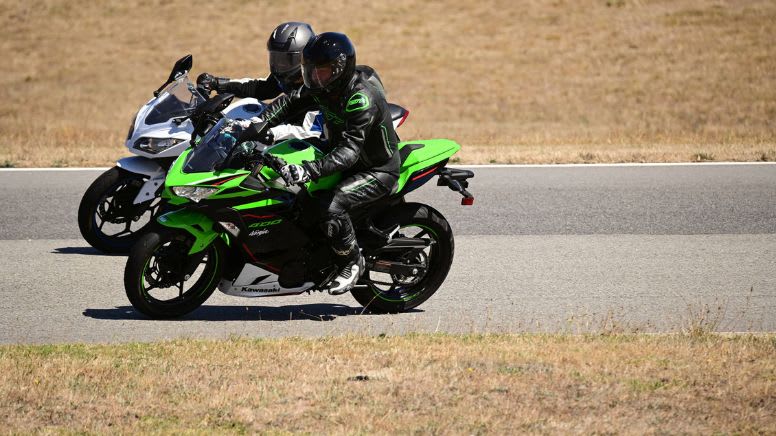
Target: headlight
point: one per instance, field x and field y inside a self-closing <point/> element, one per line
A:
<point x="194" y="193"/>
<point x="156" y="145"/>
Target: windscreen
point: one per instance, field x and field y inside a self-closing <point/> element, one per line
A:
<point x="211" y="150"/>
<point x="178" y="99"/>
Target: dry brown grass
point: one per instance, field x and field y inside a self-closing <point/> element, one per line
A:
<point x="542" y="81"/>
<point x="500" y="384"/>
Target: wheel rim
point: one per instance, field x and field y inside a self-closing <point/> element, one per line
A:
<point x="163" y="281"/>
<point x="396" y="288"/>
<point x="116" y="217"/>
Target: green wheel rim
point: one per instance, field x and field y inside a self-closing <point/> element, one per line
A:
<point x="148" y="297"/>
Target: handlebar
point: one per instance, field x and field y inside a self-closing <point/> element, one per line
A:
<point x="263" y="158"/>
<point x="272" y="161"/>
<point x="276" y="164"/>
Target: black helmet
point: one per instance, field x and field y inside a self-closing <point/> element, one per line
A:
<point x="285" y="46"/>
<point x="328" y="61"/>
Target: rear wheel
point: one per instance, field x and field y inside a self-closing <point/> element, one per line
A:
<point x="162" y="281"/>
<point x="391" y="293"/>
<point x="107" y="217"/>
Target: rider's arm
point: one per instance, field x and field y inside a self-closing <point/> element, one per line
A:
<point x="260" y="89"/>
<point x="287" y="106"/>
<point x="347" y="149"/>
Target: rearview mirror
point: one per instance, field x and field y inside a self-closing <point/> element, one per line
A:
<point x="182" y="66"/>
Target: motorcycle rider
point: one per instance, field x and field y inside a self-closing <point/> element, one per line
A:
<point x="362" y="136"/>
<point x="285" y="46"/>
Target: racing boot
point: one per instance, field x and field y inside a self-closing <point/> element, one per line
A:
<point x="349" y="273"/>
<point x="343" y="242"/>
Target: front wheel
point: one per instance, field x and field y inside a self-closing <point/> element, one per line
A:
<point x="107" y="217"/>
<point x="390" y="293"/>
<point x="163" y="281"/>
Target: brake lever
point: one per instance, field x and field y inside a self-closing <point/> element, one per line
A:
<point x="277" y="164"/>
<point x="204" y="92"/>
<point x="299" y="185"/>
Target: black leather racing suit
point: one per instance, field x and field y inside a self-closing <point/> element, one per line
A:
<point x="363" y="148"/>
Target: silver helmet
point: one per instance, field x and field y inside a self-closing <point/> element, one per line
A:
<point x="285" y="47"/>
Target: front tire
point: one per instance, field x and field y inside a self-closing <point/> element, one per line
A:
<point x="108" y="202"/>
<point x="404" y="293"/>
<point x="158" y="271"/>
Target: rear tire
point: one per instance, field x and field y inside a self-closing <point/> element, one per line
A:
<point x="155" y="252"/>
<point x="100" y="206"/>
<point x="439" y="260"/>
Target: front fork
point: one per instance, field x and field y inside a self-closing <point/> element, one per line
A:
<point x="147" y="167"/>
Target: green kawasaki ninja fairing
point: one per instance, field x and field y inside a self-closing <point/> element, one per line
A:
<point x="237" y="226"/>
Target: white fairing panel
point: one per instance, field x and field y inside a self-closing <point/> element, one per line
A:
<point x="151" y="187"/>
<point x="310" y="128"/>
<point x="139" y="165"/>
<point x="244" y="109"/>
<point x="167" y="129"/>
<point x="254" y="281"/>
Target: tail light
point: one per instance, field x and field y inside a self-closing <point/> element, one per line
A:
<point x="404" y="117"/>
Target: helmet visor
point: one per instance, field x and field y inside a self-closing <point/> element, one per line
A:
<point x="317" y="76"/>
<point x="283" y="62"/>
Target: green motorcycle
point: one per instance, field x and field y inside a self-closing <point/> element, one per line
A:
<point x="238" y="227"/>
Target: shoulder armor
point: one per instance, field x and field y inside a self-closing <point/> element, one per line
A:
<point x="358" y="101"/>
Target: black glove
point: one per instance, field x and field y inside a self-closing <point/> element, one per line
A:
<point x="257" y="132"/>
<point x="267" y="137"/>
<point x="209" y="82"/>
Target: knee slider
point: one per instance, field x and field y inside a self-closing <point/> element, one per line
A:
<point x="339" y="230"/>
<point x="331" y="227"/>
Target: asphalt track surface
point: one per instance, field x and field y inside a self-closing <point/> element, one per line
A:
<point x="567" y="248"/>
